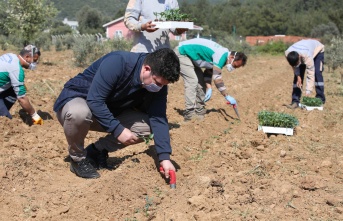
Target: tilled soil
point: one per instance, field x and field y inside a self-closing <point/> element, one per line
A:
<point x="226" y="168"/>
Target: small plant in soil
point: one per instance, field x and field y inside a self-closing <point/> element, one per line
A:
<point x="147" y="138"/>
<point x="312" y="101"/>
<point x="275" y="119"/>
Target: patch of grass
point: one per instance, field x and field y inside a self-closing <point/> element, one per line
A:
<point x="158" y="192"/>
<point x="148" y="203"/>
<point x="259" y="170"/>
<point x="199" y="156"/>
<point x="227" y="131"/>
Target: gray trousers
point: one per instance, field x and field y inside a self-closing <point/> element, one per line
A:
<point x="193" y="79"/>
<point x="76" y="119"/>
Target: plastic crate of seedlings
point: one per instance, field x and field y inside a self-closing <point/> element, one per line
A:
<point x="172" y="19"/>
<point x="311" y="103"/>
<point x="277" y="123"/>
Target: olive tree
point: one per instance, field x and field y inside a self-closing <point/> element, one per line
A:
<point x="26" y="19"/>
<point x="334" y="55"/>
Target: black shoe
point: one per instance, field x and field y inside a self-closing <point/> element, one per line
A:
<point x="99" y="158"/>
<point x="84" y="169"/>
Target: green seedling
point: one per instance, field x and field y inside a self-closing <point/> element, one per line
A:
<point x="172" y="15"/>
<point x="312" y="101"/>
<point x="147" y="138"/>
<point x="275" y="119"/>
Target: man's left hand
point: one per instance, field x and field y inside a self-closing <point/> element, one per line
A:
<point x="167" y="165"/>
<point x="36" y="119"/>
<point x="208" y="94"/>
<point x="180" y="31"/>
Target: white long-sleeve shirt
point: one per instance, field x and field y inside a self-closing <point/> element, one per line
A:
<point x="139" y="12"/>
<point x="307" y="50"/>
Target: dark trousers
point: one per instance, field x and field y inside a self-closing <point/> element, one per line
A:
<point x="318" y="78"/>
<point x="7" y="99"/>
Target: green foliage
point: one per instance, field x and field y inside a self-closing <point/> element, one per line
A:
<point x="264" y="17"/>
<point x="235" y="17"/>
<point x="27" y="18"/>
<point x="87" y="50"/>
<point x="273" y="48"/>
<point x="119" y="44"/>
<point x="58" y="28"/>
<point x="107" y="7"/>
<point x="43" y="41"/>
<point x="172" y="15"/>
<point x="3" y="43"/>
<point x="334" y="53"/>
<point x="275" y="119"/>
<point x="312" y="101"/>
<point x="59" y="45"/>
<point x="325" y="32"/>
<point x="233" y="44"/>
<point x="90" y="20"/>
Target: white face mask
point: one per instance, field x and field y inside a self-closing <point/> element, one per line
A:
<point x="229" y="67"/>
<point x="32" y="66"/>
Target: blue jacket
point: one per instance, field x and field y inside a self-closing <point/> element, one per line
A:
<point x="112" y="84"/>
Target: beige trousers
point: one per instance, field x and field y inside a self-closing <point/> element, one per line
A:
<point x="76" y="119"/>
<point x="193" y="79"/>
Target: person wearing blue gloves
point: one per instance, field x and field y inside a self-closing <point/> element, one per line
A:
<point x="199" y="53"/>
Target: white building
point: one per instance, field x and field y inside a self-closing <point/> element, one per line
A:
<point x="72" y="24"/>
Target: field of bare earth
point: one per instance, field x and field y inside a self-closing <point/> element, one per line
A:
<point x="226" y="168"/>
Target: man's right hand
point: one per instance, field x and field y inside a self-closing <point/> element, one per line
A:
<point x="299" y="82"/>
<point x="231" y="99"/>
<point x="167" y="165"/>
<point x="127" y="137"/>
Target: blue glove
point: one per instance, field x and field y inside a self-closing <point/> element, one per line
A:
<point x="231" y="100"/>
<point x="208" y="94"/>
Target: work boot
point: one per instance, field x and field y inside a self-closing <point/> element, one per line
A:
<point x="189" y="115"/>
<point x="200" y="112"/>
<point x="99" y="158"/>
<point x="293" y="105"/>
<point x="84" y="169"/>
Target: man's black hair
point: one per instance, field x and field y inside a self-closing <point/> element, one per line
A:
<point x="293" y="58"/>
<point x="240" y="56"/>
<point x="165" y="63"/>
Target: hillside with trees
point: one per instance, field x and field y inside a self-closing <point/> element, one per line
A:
<point x="238" y="17"/>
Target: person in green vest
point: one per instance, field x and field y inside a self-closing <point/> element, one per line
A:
<point x="198" y="54"/>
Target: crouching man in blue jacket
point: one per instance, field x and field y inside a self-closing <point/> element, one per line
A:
<point x="123" y="94"/>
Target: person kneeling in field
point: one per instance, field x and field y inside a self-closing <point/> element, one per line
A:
<point x="12" y="85"/>
<point x="123" y="94"/>
<point x="306" y="55"/>
<point x="200" y="53"/>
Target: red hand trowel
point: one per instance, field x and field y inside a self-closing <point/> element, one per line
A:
<point x="235" y="108"/>
<point x="172" y="178"/>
